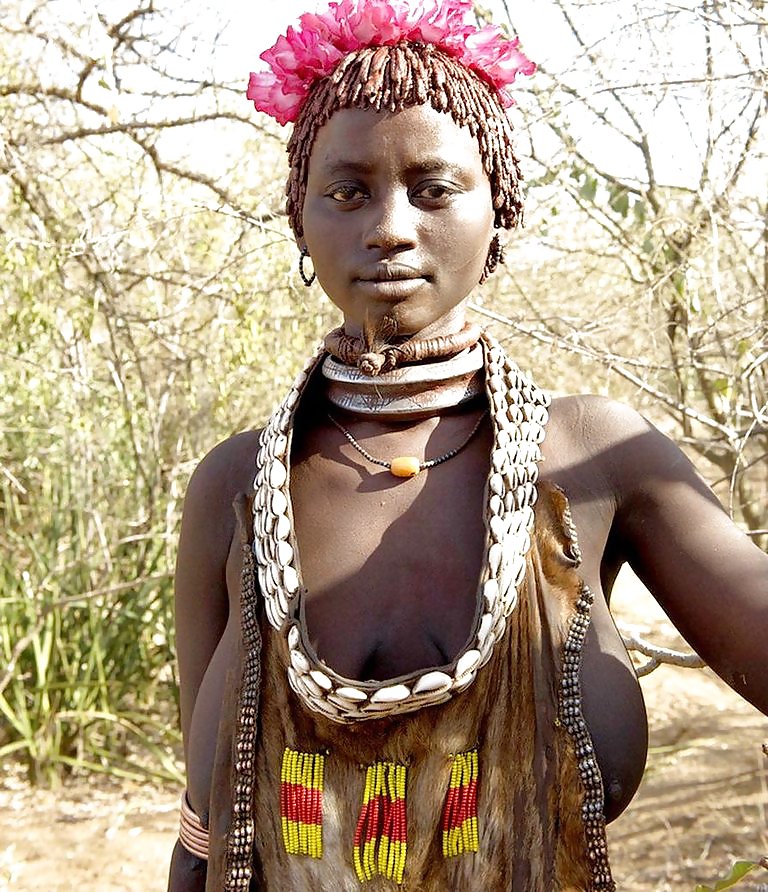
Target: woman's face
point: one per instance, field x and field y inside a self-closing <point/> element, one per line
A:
<point x="398" y="218"/>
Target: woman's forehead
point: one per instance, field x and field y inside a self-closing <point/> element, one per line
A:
<point x="417" y="136"/>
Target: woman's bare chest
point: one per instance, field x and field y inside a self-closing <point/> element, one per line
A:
<point x="391" y="568"/>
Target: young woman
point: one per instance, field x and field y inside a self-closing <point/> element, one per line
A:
<point x="398" y="666"/>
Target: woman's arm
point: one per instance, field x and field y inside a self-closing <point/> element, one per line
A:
<point x="206" y="615"/>
<point x="711" y="580"/>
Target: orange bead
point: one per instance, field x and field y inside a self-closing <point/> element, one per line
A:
<point x="405" y="466"/>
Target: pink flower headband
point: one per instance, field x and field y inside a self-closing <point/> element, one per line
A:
<point x="302" y="56"/>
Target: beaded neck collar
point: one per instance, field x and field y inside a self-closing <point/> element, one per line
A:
<point x="518" y="412"/>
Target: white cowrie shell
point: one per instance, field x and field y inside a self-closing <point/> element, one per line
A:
<point x="352" y="694"/>
<point x="321" y="679"/>
<point x="467" y="662"/>
<point x="486" y="624"/>
<point x="325" y="707"/>
<point x="278" y="473"/>
<point x="282" y="526"/>
<point x="463" y="681"/>
<point x="283" y="553"/>
<point x="392" y="694"/>
<point x="494" y="558"/>
<point x="290" y="580"/>
<point x="496" y="483"/>
<point x="497" y="527"/>
<point x="299" y="662"/>
<point x="491" y="592"/>
<point x="431" y="682"/>
<point x="278" y="502"/>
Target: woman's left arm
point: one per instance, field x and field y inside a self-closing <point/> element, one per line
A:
<point x="709" y="577"/>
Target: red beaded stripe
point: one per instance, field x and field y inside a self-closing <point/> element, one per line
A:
<point x="381" y="817"/>
<point x="460" y="804"/>
<point x="301" y="802"/>
<point x="380" y="836"/>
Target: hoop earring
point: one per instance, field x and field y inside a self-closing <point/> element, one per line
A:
<point x="494" y="258"/>
<point x="307" y="280"/>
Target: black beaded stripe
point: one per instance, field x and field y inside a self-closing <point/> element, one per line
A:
<point x="239" y="857"/>
<point x="571" y="717"/>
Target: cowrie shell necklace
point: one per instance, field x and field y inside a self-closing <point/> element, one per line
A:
<point x="518" y="413"/>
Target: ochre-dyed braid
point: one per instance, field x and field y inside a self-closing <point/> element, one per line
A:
<point x="396" y="77"/>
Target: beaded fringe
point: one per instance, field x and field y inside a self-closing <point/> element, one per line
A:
<point x="460" y="831"/>
<point x="301" y="802"/>
<point x="380" y="837"/>
<point x="593" y="811"/>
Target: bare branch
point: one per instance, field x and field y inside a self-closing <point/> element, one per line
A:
<point x="658" y="655"/>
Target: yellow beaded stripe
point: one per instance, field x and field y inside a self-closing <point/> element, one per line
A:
<point x="301" y="802"/>
<point x="460" y="830"/>
<point x="380" y="837"/>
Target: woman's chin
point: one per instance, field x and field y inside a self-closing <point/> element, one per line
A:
<point x="398" y="323"/>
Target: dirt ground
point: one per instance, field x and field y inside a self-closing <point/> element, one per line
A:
<point x="703" y="803"/>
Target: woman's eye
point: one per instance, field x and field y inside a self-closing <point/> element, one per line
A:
<point x="435" y="191"/>
<point x="345" y="192"/>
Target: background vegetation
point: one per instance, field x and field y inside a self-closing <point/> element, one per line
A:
<point x="151" y="307"/>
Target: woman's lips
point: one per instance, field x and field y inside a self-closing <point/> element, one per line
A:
<point x="393" y="280"/>
<point x="388" y="272"/>
<point x="391" y="289"/>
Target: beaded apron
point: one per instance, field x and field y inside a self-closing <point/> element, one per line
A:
<point x="518" y="412"/>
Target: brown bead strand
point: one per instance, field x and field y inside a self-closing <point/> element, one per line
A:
<point x="239" y="854"/>
<point x="494" y="258"/>
<point x="572" y="718"/>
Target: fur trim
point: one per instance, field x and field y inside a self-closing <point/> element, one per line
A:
<point x="530" y="796"/>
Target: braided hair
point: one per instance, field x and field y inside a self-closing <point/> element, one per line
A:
<point x="391" y="78"/>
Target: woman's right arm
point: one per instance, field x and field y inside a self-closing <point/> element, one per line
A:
<point x="202" y="615"/>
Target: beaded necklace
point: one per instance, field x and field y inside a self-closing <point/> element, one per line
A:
<point x="518" y="413"/>
<point x="407" y="465"/>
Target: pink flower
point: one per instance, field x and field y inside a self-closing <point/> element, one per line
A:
<point x="446" y="23"/>
<point x="312" y="51"/>
<point x="268" y="96"/>
<point x="498" y="61"/>
<point x="377" y="26"/>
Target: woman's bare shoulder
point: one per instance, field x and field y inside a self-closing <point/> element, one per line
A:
<point x="225" y="471"/>
<point x="615" y="442"/>
<point x="704" y="571"/>
<point x="599" y="443"/>
<point x="595" y="419"/>
<point x="208" y="518"/>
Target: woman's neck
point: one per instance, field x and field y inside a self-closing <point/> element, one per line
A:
<point x="409" y="382"/>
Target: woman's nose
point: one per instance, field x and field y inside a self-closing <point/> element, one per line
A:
<point x="393" y="222"/>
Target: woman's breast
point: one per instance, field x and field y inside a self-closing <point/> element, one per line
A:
<point x="614" y="711"/>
